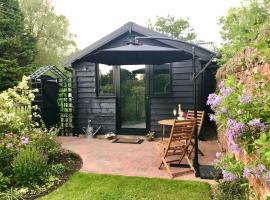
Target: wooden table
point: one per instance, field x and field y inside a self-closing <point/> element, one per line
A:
<point x="167" y="122"/>
<point x="163" y="123"/>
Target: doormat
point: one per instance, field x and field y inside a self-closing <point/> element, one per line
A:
<point x="128" y="141"/>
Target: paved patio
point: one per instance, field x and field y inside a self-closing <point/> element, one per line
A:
<point x="103" y="156"/>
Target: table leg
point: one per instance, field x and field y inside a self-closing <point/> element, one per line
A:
<point x="163" y="132"/>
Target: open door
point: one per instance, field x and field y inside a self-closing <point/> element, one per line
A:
<point x="132" y="101"/>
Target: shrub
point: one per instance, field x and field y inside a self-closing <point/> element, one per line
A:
<point x="4" y="181"/>
<point x="58" y="169"/>
<point x="30" y="166"/>
<point x="231" y="168"/>
<point x="232" y="190"/>
<point x="48" y="146"/>
<point x="6" y="157"/>
<point x="16" y="108"/>
<point x="234" y="185"/>
<point x="46" y="142"/>
<point x="11" y="194"/>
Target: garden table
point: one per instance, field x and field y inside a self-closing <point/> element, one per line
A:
<point x="167" y="122"/>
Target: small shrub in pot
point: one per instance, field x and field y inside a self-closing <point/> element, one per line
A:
<point x="150" y="136"/>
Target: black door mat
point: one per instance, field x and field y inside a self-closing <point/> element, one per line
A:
<point x="128" y="141"/>
<point x="209" y="172"/>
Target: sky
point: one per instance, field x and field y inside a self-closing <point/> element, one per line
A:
<point x="91" y="20"/>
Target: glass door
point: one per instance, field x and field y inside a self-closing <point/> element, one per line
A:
<point x="132" y="97"/>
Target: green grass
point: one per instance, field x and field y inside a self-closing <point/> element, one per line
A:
<point x="84" y="186"/>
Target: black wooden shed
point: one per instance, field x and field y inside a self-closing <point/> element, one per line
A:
<point x="131" y="98"/>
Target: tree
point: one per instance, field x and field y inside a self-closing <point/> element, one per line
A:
<point x="17" y="46"/>
<point x="54" y="41"/>
<point x="175" y="28"/>
<point x="242" y="27"/>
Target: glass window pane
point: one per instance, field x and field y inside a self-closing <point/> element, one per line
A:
<point x="161" y="79"/>
<point x="105" y="79"/>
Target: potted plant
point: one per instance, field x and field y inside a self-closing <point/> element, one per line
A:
<point x="150" y="136"/>
<point x="110" y="135"/>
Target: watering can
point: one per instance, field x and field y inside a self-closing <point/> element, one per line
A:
<point x="88" y="130"/>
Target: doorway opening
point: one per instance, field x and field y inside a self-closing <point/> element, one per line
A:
<point x="132" y="98"/>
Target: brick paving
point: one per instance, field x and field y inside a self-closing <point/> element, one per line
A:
<point x="103" y="156"/>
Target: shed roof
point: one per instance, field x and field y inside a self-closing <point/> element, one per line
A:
<point x="201" y="52"/>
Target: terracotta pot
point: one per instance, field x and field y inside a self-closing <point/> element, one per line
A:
<point x="150" y="139"/>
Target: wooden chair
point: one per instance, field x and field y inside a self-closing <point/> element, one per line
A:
<point x="200" y="118"/>
<point x="178" y="145"/>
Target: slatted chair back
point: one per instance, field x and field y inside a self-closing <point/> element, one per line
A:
<point x="200" y="118"/>
<point x="178" y="145"/>
<point x="182" y="131"/>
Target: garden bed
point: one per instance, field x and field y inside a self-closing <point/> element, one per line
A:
<point x="32" y="162"/>
<point x="73" y="163"/>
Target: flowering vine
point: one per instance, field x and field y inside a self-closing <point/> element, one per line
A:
<point x="243" y="116"/>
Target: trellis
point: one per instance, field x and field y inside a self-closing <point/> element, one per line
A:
<point x="65" y="99"/>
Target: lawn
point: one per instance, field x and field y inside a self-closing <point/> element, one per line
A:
<point x="84" y="186"/>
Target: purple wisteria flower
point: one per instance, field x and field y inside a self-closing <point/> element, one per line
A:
<point x="9" y="145"/>
<point x="234" y="147"/>
<point x="261" y="168"/>
<point x="247" y="172"/>
<point x="213" y="100"/>
<point x="24" y="140"/>
<point x="267" y="177"/>
<point x="212" y="117"/>
<point x="226" y="91"/>
<point x="256" y="173"/>
<point x="256" y="124"/>
<point x="221" y="84"/>
<point x="223" y="90"/>
<point x="218" y="155"/>
<point x="234" y="130"/>
<point x="228" y="176"/>
<point x="223" y="110"/>
<point x="245" y="99"/>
